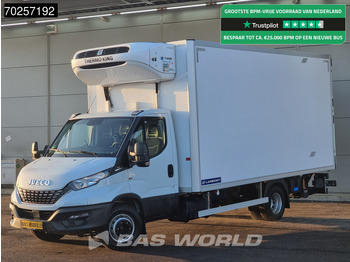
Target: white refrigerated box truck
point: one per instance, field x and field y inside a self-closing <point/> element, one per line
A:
<point x="181" y="130"/>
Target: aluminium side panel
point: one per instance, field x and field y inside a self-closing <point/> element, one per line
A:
<point x="257" y="115"/>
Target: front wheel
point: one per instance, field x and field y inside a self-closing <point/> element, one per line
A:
<point x="275" y="208"/>
<point x="124" y="227"/>
<point x="47" y="236"/>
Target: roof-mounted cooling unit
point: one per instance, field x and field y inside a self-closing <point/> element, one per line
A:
<point x="127" y="63"/>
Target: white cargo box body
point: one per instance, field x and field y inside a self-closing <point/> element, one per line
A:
<point x="254" y="114"/>
<point x="241" y="114"/>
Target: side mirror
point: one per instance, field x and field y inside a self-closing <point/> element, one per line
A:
<point x="36" y="153"/>
<point x="140" y="153"/>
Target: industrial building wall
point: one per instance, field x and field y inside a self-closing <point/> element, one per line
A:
<point x="40" y="91"/>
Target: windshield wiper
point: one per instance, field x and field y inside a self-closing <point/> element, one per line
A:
<point x="59" y="150"/>
<point x="84" y="152"/>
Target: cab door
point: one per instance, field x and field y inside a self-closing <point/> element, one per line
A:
<point x="156" y="183"/>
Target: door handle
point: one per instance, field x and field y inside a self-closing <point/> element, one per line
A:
<point x="170" y="171"/>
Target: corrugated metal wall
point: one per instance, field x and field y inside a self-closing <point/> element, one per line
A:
<point x="40" y="91"/>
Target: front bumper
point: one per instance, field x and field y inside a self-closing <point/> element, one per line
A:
<point x="68" y="220"/>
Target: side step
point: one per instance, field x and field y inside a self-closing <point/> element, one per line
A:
<point x="212" y="211"/>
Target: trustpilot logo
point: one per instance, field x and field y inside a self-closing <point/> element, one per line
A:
<point x="251" y="25"/>
<point x="204" y="240"/>
<point x="246" y="24"/>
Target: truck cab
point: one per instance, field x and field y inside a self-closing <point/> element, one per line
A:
<point x="101" y="158"/>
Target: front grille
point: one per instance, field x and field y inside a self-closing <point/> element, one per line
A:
<point x="34" y="214"/>
<point x="42" y="197"/>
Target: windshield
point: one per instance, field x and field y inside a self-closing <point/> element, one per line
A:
<point x="93" y="137"/>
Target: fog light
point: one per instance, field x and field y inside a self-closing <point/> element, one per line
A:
<point x="77" y="220"/>
<point x="83" y="215"/>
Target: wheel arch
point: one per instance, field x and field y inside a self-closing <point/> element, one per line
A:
<point x="129" y="199"/>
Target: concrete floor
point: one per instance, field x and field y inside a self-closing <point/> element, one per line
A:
<point x="307" y="232"/>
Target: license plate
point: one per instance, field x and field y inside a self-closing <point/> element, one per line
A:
<point x="31" y="224"/>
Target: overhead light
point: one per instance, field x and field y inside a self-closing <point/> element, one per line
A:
<point x="137" y="12"/>
<point x="185" y="6"/>
<point x="93" y="16"/>
<point x="50" y="21"/>
<point x="104" y="19"/>
<point x="232" y="2"/>
<point x="24" y="23"/>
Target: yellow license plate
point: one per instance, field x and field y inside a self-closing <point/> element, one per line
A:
<point x="31" y="224"/>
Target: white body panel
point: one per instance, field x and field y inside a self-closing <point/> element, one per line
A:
<point x="105" y="191"/>
<point x="245" y="115"/>
<point x="260" y="115"/>
<point x="61" y="171"/>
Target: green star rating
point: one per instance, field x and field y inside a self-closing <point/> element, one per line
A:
<point x="320" y="24"/>
<point x="295" y="24"/>
<point x="286" y="24"/>
<point x="311" y="24"/>
<point x="302" y="24"/>
<point x="247" y="24"/>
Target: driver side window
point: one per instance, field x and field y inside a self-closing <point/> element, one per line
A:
<point x="152" y="131"/>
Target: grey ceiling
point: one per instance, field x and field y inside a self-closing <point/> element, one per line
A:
<point x="73" y="7"/>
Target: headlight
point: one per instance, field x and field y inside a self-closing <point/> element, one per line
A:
<point x="88" y="180"/>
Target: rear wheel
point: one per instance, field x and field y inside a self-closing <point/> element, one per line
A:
<point x="47" y="236"/>
<point x="124" y="227"/>
<point x="275" y="208"/>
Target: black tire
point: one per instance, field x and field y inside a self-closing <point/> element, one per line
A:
<point x="255" y="212"/>
<point x="275" y="208"/>
<point x="124" y="227"/>
<point x="47" y="236"/>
